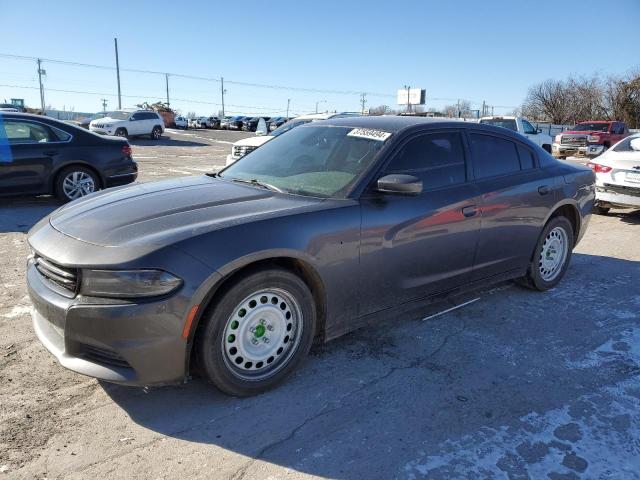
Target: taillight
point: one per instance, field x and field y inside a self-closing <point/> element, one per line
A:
<point x="596" y="167"/>
<point x="126" y="150"/>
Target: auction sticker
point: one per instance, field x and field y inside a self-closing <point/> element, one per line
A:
<point x="369" y="133"/>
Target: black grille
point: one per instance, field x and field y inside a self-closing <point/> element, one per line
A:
<point x="574" y="140"/>
<point x="100" y="355"/>
<point x="63" y="277"/>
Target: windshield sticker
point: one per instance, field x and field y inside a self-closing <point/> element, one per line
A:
<point x="369" y="133"/>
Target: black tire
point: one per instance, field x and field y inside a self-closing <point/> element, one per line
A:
<point x="599" y="210"/>
<point x="60" y="190"/>
<point x="534" y="278"/>
<point x="212" y="333"/>
<point x="156" y="133"/>
<point x="546" y="147"/>
<point x="121" y="132"/>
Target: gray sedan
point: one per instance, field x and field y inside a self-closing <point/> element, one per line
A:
<point x="335" y="224"/>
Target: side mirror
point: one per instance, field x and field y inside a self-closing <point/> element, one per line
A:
<point x="399" y="184"/>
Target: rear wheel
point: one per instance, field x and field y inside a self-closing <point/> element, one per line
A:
<point x="260" y="330"/>
<point x="75" y="182"/>
<point x="551" y="256"/>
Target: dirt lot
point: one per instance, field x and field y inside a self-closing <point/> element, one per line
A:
<point x="517" y="384"/>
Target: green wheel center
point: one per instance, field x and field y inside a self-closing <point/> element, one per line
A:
<point x="259" y="332"/>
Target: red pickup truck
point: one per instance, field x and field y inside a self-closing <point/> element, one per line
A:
<point x="588" y="139"/>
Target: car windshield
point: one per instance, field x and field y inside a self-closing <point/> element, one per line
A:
<point x="509" y="123"/>
<point x="120" y="115"/>
<point x="587" y="127"/>
<point x="317" y="161"/>
<point x="288" y="126"/>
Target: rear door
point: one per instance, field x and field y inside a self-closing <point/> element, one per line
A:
<point x="416" y="246"/>
<point x="26" y="163"/>
<point x="516" y="198"/>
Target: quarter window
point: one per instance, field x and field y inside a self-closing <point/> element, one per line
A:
<point x="24" y="132"/>
<point x="526" y="158"/>
<point x="493" y="156"/>
<point x="436" y="158"/>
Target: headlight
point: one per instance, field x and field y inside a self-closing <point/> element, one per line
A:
<point x="127" y="283"/>
<point x="558" y="138"/>
<point x="593" y="138"/>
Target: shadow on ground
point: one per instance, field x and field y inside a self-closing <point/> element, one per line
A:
<point x="370" y="404"/>
<point x="166" y="142"/>
<point x="19" y="214"/>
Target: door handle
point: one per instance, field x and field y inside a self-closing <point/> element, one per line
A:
<point x="544" y="189"/>
<point x="469" y="210"/>
<point x="50" y="153"/>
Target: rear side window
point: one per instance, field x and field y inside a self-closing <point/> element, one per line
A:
<point x="493" y="156"/>
<point x="436" y="158"/>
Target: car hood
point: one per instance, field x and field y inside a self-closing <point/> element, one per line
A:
<point x="166" y="212"/>
<point x="253" y="141"/>
<point x="107" y="120"/>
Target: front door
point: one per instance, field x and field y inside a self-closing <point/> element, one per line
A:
<point x="26" y="156"/>
<point x="416" y="246"/>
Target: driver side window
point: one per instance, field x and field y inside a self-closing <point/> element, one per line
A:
<point x="435" y="158"/>
<point x="528" y="128"/>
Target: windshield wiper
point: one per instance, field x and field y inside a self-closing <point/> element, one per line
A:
<point x="257" y="183"/>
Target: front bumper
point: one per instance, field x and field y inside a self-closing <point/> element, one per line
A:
<point x="618" y="196"/>
<point x="559" y="150"/>
<point x="103" y="131"/>
<point x="127" y="343"/>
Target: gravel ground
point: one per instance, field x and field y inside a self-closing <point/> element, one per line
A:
<point x="516" y="384"/>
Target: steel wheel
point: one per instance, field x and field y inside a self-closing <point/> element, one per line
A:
<point x="262" y="334"/>
<point x="553" y="254"/>
<point x="77" y="184"/>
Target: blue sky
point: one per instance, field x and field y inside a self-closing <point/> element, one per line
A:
<point x="474" y="50"/>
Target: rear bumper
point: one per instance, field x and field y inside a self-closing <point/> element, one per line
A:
<point x="559" y="150"/>
<point x="618" y="196"/>
<point x="121" y="179"/>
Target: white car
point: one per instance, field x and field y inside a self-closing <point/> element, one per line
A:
<point x="618" y="176"/>
<point x="181" y="122"/>
<point x="523" y="127"/>
<point x="129" y="123"/>
<point x="246" y="145"/>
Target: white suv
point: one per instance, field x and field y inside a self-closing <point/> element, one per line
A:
<point x="129" y="123"/>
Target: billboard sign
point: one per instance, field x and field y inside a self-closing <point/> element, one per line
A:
<point x="414" y="96"/>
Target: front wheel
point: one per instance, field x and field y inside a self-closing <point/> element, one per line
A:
<point x="551" y="256"/>
<point x="121" y="132"/>
<point x="156" y="133"/>
<point x="258" y="332"/>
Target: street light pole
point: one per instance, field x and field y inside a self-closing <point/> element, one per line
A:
<point x="166" y="79"/>
<point x="40" y="72"/>
<point x="222" y="94"/>
<point x="115" y="40"/>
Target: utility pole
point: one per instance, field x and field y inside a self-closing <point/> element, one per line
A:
<point x="166" y="80"/>
<point x="40" y="73"/>
<point x="115" y="40"/>
<point x="408" y="88"/>
<point x="363" y="101"/>
<point x="288" y="103"/>
<point x="458" y="109"/>
<point x="483" y="108"/>
<point x="492" y="110"/>
<point x="222" y="94"/>
<point x="104" y="105"/>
